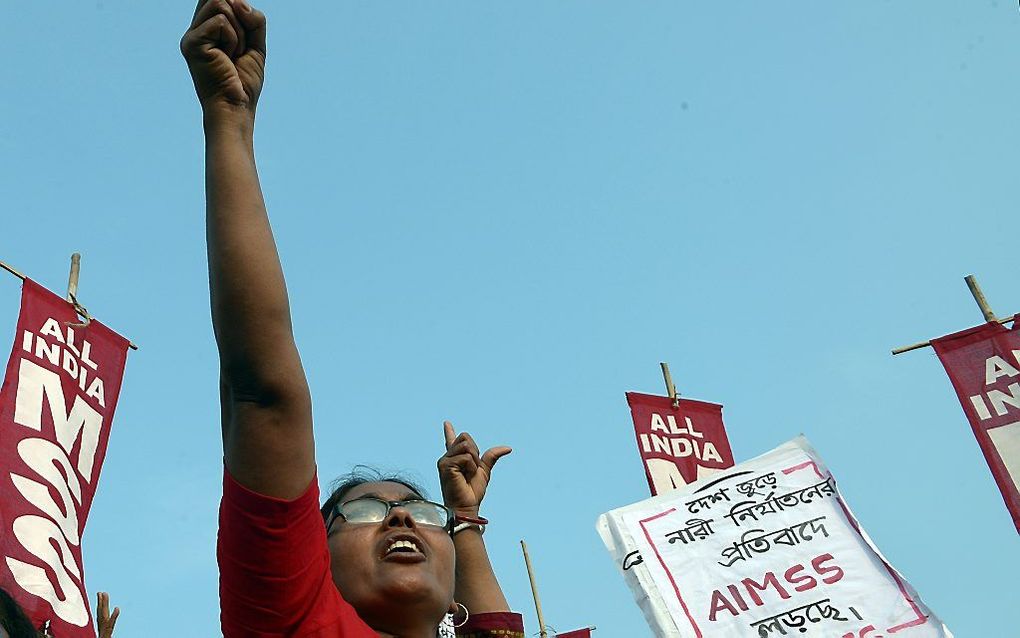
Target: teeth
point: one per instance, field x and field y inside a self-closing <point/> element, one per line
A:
<point x="401" y="544"/>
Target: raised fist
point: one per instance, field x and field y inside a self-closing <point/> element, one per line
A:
<point x="225" y="47"/>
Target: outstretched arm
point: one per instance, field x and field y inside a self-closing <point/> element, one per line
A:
<point x="267" y="418"/>
<point x="464" y="474"/>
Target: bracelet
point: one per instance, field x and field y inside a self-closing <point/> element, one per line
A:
<point x="469" y="522"/>
<point x="481" y="520"/>
<point x="460" y="527"/>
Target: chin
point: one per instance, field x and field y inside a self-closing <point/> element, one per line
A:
<point x="413" y="589"/>
<point x="396" y="596"/>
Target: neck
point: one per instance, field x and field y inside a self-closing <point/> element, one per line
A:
<point x="392" y="627"/>
<point x="430" y="632"/>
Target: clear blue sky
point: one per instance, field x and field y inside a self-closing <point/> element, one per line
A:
<point x="507" y="214"/>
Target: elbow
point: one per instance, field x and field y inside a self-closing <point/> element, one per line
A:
<point x="267" y="389"/>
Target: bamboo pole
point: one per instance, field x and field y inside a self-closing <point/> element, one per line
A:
<point x="11" y="270"/>
<point x="72" y="282"/>
<point x="979" y="297"/>
<point x="982" y="303"/>
<point x="534" y="591"/>
<point x="72" y="279"/>
<point x="670" y="388"/>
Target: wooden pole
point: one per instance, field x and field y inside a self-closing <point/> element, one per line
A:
<point x="670" y="388"/>
<point x="11" y="270"/>
<point x="72" y="279"/>
<point x="534" y="591"/>
<point x="925" y="344"/>
<point x="979" y="297"/>
<point x="982" y="303"/>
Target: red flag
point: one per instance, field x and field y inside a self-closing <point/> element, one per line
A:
<point x="678" y="445"/>
<point x="56" y="406"/>
<point x="577" y="633"/>
<point x="984" y="365"/>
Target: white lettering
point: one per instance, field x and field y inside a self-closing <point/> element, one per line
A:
<point x="665" y="475"/>
<point x="980" y="406"/>
<point x="35" y="382"/>
<point x="658" y="423"/>
<point x="683" y="448"/>
<point x="52" y="328"/>
<point x="43" y="457"/>
<point x="86" y="353"/>
<point x="44" y="350"/>
<point x="710" y="453"/>
<point x="42" y="538"/>
<point x="70" y="342"/>
<point x="660" y="444"/>
<point x="996" y="367"/>
<point x="70" y="365"/>
<point x="97" y="391"/>
<point x="999" y="399"/>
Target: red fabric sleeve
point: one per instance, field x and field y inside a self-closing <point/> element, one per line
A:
<point x="497" y="624"/>
<point x="275" y="578"/>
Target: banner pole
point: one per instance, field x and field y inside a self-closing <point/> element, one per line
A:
<point x="982" y="303"/>
<point x="670" y="388"/>
<point x="534" y="591"/>
<point x="72" y="279"/>
<point x="979" y="297"/>
<point x="11" y="270"/>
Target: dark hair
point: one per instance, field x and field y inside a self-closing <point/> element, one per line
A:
<point x="360" y="475"/>
<point x="13" y="618"/>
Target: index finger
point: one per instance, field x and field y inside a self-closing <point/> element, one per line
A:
<point x="451" y="434"/>
<point x="198" y="8"/>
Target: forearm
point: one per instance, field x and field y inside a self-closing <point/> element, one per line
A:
<point x="477" y="587"/>
<point x="251" y="313"/>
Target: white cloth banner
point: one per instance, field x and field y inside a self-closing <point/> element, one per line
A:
<point x="766" y="548"/>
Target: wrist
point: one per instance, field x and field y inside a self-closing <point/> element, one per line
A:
<point x="464" y="512"/>
<point x="219" y="119"/>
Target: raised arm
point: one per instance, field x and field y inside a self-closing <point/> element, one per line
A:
<point x="464" y="475"/>
<point x="267" y="418"/>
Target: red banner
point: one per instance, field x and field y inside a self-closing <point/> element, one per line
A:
<point x="984" y="365"/>
<point x="577" y="633"/>
<point x="56" y="406"/>
<point x="678" y="445"/>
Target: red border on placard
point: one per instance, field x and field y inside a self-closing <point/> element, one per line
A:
<point x="920" y="620"/>
<point x="669" y="574"/>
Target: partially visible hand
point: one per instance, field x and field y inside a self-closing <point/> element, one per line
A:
<point x="225" y="48"/>
<point x="464" y="473"/>
<point x="104" y="620"/>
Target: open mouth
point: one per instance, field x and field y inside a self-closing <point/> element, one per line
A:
<point x="404" y="546"/>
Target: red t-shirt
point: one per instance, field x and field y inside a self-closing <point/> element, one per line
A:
<point x="275" y="579"/>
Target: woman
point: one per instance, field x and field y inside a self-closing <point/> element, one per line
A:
<point x="385" y="563"/>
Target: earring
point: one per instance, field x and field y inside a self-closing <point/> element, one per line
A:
<point x="466" y="616"/>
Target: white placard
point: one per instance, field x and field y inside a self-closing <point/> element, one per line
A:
<point x="767" y="548"/>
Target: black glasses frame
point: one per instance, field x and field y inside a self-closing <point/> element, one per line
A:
<point x="337" y="511"/>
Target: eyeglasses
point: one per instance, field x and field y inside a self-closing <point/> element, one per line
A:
<point x="368" y="510"/>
